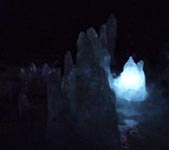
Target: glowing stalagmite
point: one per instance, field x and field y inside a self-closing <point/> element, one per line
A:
<point x="131" y="85"/>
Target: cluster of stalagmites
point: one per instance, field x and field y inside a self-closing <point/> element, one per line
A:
<point x="76" y="109"/>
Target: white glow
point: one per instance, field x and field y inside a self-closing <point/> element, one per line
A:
<point x="130" y="85"/>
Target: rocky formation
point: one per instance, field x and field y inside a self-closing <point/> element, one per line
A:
<point x="87" y="89"/>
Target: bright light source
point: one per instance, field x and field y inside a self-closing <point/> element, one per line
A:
<point x="130" y="85"/>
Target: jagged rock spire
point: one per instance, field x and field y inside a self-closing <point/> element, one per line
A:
<point x="111" y="36"/>
<point x="68" y="63"/>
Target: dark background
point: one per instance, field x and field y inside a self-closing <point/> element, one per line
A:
<point x="42" y="31"/>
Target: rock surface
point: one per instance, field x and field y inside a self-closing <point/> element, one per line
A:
<point x="92" y="102"/>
